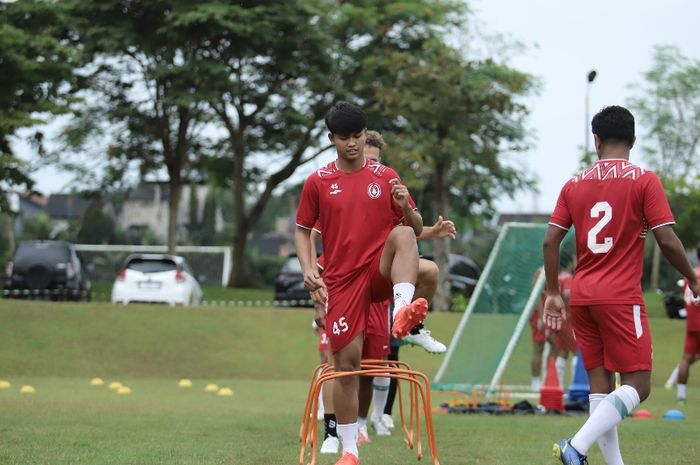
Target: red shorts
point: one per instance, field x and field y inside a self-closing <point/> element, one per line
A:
<point x="537" y="326"/>
<point x="564" y="339"/>
<point x="323" y="344"/>
<point x="349" y="303"/>
<point x="616" y="336"/>
<point x="376" y="346"/>
<point x="692" y="342"/>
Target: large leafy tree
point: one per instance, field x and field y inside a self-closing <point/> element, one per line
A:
<point x="273" y="69"/>
<point x="144" y="99"/>
<point x="667" y="106"/>
<point x="37" y="65"/>
<point x="455" y="123"/>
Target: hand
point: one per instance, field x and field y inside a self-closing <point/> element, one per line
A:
<point x="444" y="228"/>
<point x="695" y="288"/>
<point x="399" y="192"/>
<point x="319" y="296"/>
<point x="320" y="315"/>
<point x="312" y="280"/>
<point x="554" y="311"/>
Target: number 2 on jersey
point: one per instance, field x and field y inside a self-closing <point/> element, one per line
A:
<point x="593" y="244"/>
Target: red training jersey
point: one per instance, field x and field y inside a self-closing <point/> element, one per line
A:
<point x="355" y="212"/>
<point x="612" y="204"/>
<point x="692" y="319"/>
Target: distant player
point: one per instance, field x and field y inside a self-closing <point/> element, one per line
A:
<point x="691" y="351"/>
<point x="612" y="204"/>
<point x="356" y="202"/>
<point x="538" y="333"/>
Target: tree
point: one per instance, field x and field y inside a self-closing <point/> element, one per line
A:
<point x="454" y="121"/>
<point x="272" y="70"/>
<point x="144" y="94"/>
<point x="667" y="104"/>
<point x="37" y="66"/>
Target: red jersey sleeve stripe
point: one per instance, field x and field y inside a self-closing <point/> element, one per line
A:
<point x="559" y="226"/>
<point x="305" y="227"/>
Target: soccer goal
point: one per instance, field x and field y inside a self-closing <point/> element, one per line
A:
<point x="209" y="264"/>
<point x="497" y="314"/>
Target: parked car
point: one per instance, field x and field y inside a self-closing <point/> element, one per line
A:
<point x="289" y="284"/>
<point x="156" y="278"/>
<point x="675" y="305"/>
<point x="46" y="269"/>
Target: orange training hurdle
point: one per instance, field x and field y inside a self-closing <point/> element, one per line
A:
<point x="418" y="384"/>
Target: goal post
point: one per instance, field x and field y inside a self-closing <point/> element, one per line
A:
<point x="498" y="311"/>
<point x="212" y="262"/>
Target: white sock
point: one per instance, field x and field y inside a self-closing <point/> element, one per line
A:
<point x="681" y="391"/>
<point x="560" y="363"/>
<point x="608" y="442"/>
<point x="574" y="362"/>
<point x="616" y="406"/>
<point x="535" y="383"/>
<point x="381" y="392"/>
<point x="403" y="295"/>
<point x="361" y="422"/>
<point x="348" y="436"/>
<point x="673" y="378"/>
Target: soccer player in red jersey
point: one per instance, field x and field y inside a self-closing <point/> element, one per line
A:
<point x="612" y="204"/>
<point x="356" y="202"/>
<point x="691" y="350"/>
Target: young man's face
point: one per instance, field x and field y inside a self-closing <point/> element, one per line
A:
<point x="372" y="152"/>
<point x="349" y="146"/>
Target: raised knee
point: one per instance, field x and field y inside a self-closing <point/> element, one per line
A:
<point x="428" y="271"/>
<point x="403" y="234"/>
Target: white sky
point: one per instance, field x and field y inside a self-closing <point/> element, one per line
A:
<point x="567" y="40"/>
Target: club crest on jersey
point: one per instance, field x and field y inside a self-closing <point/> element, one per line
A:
<point x="374" y="191"/>
<point x="335" y="189"/>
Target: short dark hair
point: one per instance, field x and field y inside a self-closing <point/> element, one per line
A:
<point x="614" y="123"/>
<point x="345" y="118"/>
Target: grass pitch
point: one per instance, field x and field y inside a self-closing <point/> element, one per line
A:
<point x="265" y="356"/>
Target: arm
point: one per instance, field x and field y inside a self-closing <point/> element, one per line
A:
<point x="441" y="228"/>
<point x="302" y="242"/>
<point x="674" y="252"/>
<point x="554" y="308"/>
<point x="401" y="196"/>
<point x="313" y="238"/>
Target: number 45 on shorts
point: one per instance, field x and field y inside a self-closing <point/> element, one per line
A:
<point x="340" y="326"/>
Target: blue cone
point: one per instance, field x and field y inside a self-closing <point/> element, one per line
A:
<point x="579" y="389"/>
<point x="674" y="415"/>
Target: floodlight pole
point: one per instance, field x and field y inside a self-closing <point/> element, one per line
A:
<point x="591" y="77"/>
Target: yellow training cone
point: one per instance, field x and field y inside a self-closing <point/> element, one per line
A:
<point x="211" y="388"/>
<point x="123" y="390"/>
<point x="225" y="392"/>
<point x="115" y="385"/>
<point x="5" y="384"/>
<point x="185" y="383"/>
<point x="27" y="390"/>
<point x="97" y="382"/>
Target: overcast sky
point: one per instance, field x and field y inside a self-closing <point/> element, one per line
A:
<point x="566" y="40"/>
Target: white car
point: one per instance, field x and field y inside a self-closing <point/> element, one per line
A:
<point x="158" y="279"/>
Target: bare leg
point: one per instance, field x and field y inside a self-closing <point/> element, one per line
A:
<point x="345" y="390"/>
<point x="399" y="260"/>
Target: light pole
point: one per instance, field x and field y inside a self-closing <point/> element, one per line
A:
<point x="591" y="77"/>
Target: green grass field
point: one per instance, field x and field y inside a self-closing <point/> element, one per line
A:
<point x="265" y="356"/>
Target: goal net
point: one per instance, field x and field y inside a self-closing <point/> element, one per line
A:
<point x="498" y="314"/>
<point x="210" y="265"/>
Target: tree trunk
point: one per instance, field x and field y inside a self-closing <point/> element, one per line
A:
<point x="443" y="297"/>
<point x="239" y="277"/>
<point x="175" y="184"/>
